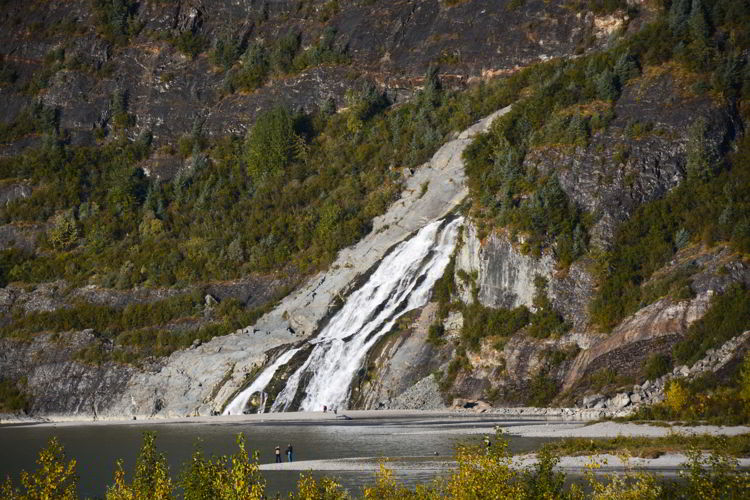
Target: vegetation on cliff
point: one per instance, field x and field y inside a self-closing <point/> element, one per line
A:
<point x="566" y="105"/>
<point x="710" y="206"/>
<point x="285" y="198"/>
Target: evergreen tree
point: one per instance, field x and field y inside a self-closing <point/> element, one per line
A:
<point x="271" y="144"/>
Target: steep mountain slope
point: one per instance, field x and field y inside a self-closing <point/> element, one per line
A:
<point x="191" y="189"/>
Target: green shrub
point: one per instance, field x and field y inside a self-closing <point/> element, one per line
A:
<point x="227" y="49"/>
<point x="726" y="318"/>
<point x="445" y="288"/>
<point x="12" y="398"/>
<point x="272" y="144"/>
<point x="116" y="19"/>
<point x="657" y="365"/>
<point x="481" y="322"/>
<point x="543" y="390"/>
<point x="435" y="334"/>
<point x="190" y="43"/>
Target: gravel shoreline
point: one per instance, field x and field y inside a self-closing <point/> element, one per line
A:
<point x="669" y="462"/>
<point x="524" y="422"/>
<point x="614" y="429"/>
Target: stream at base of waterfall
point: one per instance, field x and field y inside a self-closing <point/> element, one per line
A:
<point x="401" y="283"/>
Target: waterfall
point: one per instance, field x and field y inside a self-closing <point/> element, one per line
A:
<point x="238" y="404"/>
<point x="401" y="283"/>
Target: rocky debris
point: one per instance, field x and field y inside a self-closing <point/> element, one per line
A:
<point x="251" y="291"/>
<point x="575" y="414"/>
<point x="161" y="167"/>
<point x="652" y="391"/>
<point x="51" y="296"/>
<point x="453" y="325"/>
<point x="210" y="301"/>
<point x="43" y="297"/>
<point x="94" y="294"/>
<point x="424" y="395"/>
<point x="594" y="401"/>
<point x="619" y="402"/>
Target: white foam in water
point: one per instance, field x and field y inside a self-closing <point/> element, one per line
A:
<point x="401" y="283"/>
<point x="238" y="404"/>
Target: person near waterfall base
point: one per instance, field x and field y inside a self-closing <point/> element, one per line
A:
<point x="278" y="454"/>
<point x="289" y="452"/>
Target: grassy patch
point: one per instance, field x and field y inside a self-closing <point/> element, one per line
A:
<point x="648" y="447"/>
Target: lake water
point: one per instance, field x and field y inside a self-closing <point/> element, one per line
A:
<point x="97" y="447"/>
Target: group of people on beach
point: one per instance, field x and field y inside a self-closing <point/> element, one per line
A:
<point x="289" y="453"/>
<point x="289" y="449"/>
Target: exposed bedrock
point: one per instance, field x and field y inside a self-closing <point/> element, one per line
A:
<point x="61" y="385"/>
<point x="200" y="380"/>
<point x="390" y="42"/>
<point x="398" y="373"/>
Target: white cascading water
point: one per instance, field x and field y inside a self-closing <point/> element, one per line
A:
<point x="237" y="406"/>
<point x="401" y="283"/>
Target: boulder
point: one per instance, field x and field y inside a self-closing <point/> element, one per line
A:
<point x="620" y="401"/>
<point x="592" y="400"/>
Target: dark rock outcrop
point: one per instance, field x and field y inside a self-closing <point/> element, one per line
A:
<point x="390" y="42"/>
<point x="56" y="382"/>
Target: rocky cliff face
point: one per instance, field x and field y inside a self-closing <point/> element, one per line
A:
<point x="638" y="158"/>
<point x="61" y="60"/>
<point x="202" y="379"/>
<point x="59" y="384"/>
<point x="73" y="70"/>
<point x="391" y="42"/>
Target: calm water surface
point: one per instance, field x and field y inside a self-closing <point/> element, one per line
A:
<point x="97" y="447"/>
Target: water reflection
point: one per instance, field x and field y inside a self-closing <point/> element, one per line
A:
<point x="97" y="447"/>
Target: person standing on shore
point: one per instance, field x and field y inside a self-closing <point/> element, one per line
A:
<point x="289" y="452"/>
<point x="278" y="454"/>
